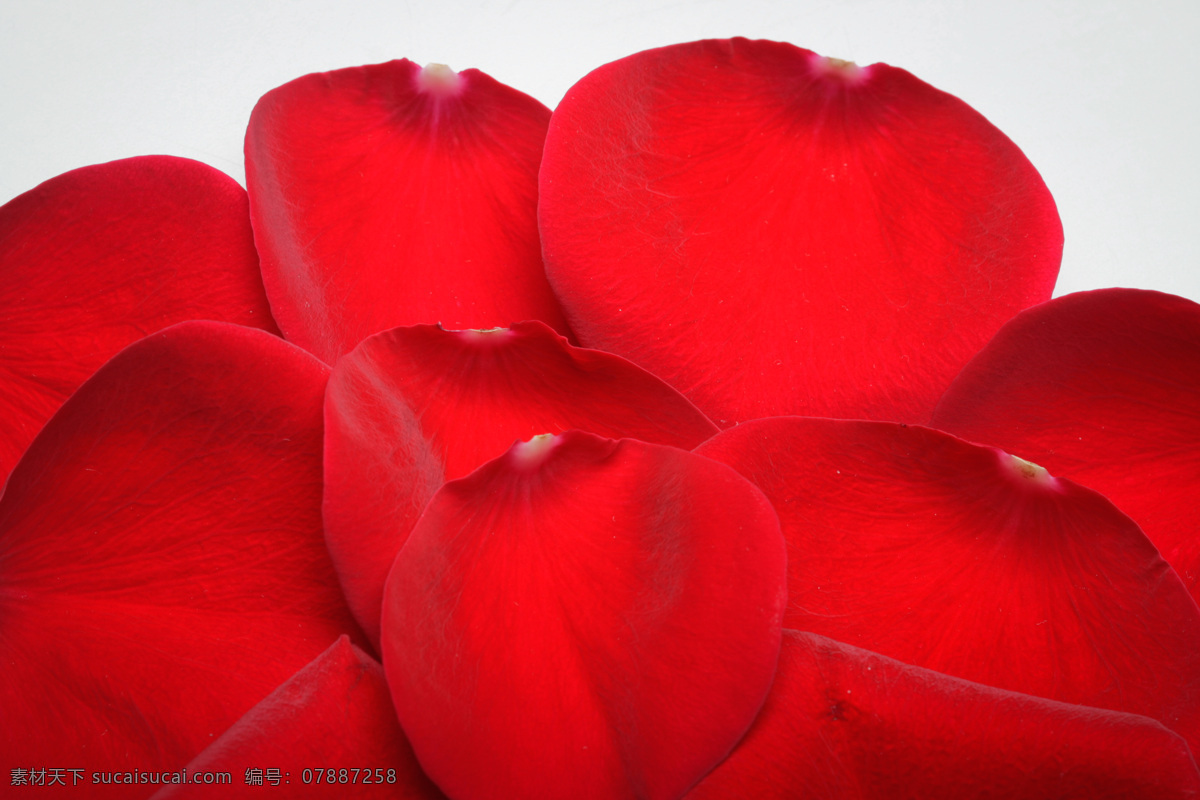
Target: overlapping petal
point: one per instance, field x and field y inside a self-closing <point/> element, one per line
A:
<point x="773" y="232"/>
<point x="101" y="256"/>
<point x="846" y="723"/>
<point x="333" y="717"/>
<point x="397" y="195"/>
<point x="962" y="559"/>
<point x="414" y="407"/>
<point x="162" y="567"/>
<point x="1102" y="387"/>
<point x="583" y="618"/>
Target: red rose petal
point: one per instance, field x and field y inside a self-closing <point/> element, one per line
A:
<point x="583" y="618"/>
<point x="162" y="567"/>
<point x="412" y="408"/>
<point x="101" y="256"/>
<point x="334" y="714"/>
<point x="847" y="723"/>
<point x="1104" y="388"/>
<point x="772" y="232"/>
<point x="395" y="195"/>
<point x="962" y="559"/>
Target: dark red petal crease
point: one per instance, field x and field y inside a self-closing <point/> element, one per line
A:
<point x="773" y="232"/>
<point x="162" y="567"/>
<point x="583" y="618"/>
<point x="397" y="195"/>
<point x="334" y="714"/>
<point x="1101" y="387"/>
<point x="965" y="560"/>
<point x="101" y="256"/>
<point x="414" y="407"/>
<point x="846" y="723"/>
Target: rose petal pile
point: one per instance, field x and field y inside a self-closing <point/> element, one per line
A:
<point x="713" y="436"/>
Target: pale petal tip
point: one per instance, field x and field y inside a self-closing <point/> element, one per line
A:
<point x="484" y="336"/>
<point x="439" y="80"/>
<point x="533" y="453"/>
<point x="838" y="68"/>
<point x="1029" y="471"/>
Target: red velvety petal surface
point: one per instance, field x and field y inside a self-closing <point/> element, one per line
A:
<point x="99" y="257"/>
<point x="414" y="407"/>
<point x="583" y="618"/>
<point x="335" y="713"/>
<point x="1104" y="388"/>
<point x="772" y="232"/>
<point x="841" y="722"/>
<point x="946" y="555"/>
<point x="395" y="195"/>
<point x="162" y="567"/>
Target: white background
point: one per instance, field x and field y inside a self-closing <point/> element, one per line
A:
<point x="1102" y="95"/>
